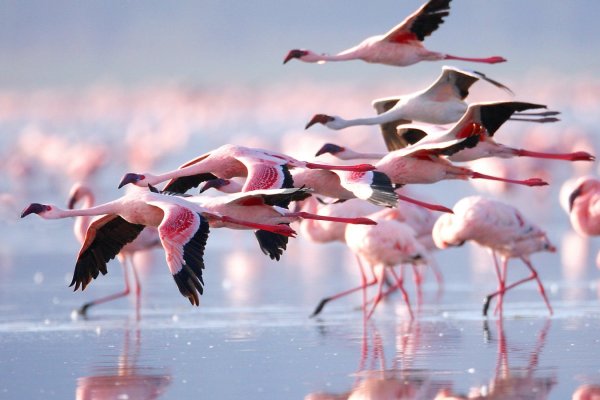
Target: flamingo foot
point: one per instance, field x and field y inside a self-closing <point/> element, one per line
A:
<point x="352" y="168"/>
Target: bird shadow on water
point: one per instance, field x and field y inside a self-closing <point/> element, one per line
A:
<point x="403" y="376"/>
<point x="124" y="377"/>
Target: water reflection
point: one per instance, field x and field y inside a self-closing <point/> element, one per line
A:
<point x="126" y="378"/>
<point x="401" y="378"/>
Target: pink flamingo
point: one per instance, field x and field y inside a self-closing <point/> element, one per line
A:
<point x="147" y="239"/>
<point x="264" y="169"/>
<point x="182" y="227"/>
<point x="483" y="120"/>
<point x="499" y="227"/>
<point x="401" y="46"/>
<point x="381" y="247"/>
<point x="584" y="206"/>
<point x="423" y="163"/>
<point x="443" y="102"/>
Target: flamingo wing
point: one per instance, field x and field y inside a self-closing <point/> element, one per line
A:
<point x="183" y="234"/>
<point x="104" y="239"/>
<point x="185" y="183"/>
<point x="266" y="175"/>
<point x="421" y="23"/>
<point x="388" y="129"/>
<point x="270" y="197"/>
<point x="446" y="148"/>
<point x="493" y="115"/>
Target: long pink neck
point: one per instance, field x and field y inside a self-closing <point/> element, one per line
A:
<point x="349" y="54"/>
<point x="102" y="209"/>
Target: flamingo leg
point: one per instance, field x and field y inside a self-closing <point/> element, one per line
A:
<point x="434" y="207"/>
<point x="84" y="308"/>
<point x="306" y="215"/>
<point x="576" y="156"/>
<point x="281" y="229"/>
<point x="378" y="296"/>
<point x="418" y="278"/>
<point x="526" y="182"/>
<point x="535" y="276"/>
<point x="487" y="60"/>
<point x="326" y="300"/>
<point x="138" y="287"/>
<point x="400" y="285"/>
<point x="354" y="168"/>
<point x="501" y="284"/>
<point x="500" y="303"/>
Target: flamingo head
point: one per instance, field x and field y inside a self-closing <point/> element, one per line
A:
<point x="42" y="210"/>
<point x="319" y="119"/>
<point x="141" y="180"/>
<point x="296" y="53"/>
<point x="330" y="148"/>
<point x="217" y="184"/>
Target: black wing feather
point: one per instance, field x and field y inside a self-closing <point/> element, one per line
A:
<point x="430" y="18"/>
<point x="271" y="244"/>
<point x="185" y="183"/>
<point x="107" y="243"/>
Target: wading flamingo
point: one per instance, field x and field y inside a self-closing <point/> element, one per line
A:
<point x="401" y="46"/>
<point x="502" y="229"/>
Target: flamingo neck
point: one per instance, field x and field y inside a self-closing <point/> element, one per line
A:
<point x="107" y="208"/>
<point x="355" y="155"/>
<point x="83" y="222"/>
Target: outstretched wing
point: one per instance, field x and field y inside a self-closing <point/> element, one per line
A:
<point x="446" y="148"/>
<point x="388" y="129"/>
<point x="183" y="234"/>
<point x="185" y="183"/>
<point x="421" y="23"/>
<point x="104" y="239"/>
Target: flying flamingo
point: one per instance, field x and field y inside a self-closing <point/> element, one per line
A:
<point x="381" y="247"/>
<point x="401" y="46"/>
<point x="584" y="206"/>
<point x="147" y="239"/>
<point x="483" y="120"/>
<point x="182" y="227"/>
<point x="499" y="227"/>
<point x="264" y="169"/>
<point x="423" y="163"/>
<point x="443" y="102"/>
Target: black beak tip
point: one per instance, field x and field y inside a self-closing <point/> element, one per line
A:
<point x="130" y="178"/>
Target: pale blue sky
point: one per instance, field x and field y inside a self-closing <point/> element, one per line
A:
<point x="71" y="43"/>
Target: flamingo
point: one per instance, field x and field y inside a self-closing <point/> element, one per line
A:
<point x="401" y="46"/>
<point x="423" y="163"/>
<point x="183" y="229"/>
<point x="441" y="103"/>
<point x="381" y="247"/>
<point x="264" y="169"/>
<point x="484" y="119"/>
<point x="584" y="206"/>
<point x="502" y="229"/>
<point x="147" y="239"/>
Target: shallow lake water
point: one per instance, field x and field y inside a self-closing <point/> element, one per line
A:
<point x="252" y="336"/>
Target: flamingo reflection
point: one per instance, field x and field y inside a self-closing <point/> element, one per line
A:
<point x="125" y="379"/>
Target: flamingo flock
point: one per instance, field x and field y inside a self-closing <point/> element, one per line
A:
<point x="364" y="205"/>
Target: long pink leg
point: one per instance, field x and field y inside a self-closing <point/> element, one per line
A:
<point x="138" y="288"/>
<point x="281" y="229"/>
<point x="83" y="309"/>
<point x="326" y="300"/>
<point x="526" y="182"/>
<point x="306" y="215"/>
<point x="434" y="207"/>
<point x="501" y="286"/>
<point x="576" y="156"/>
<point x="353" y="168"/>
<point x="400" y="285"/>
<point x="500" y="304"/>
<point x="534" y="275"/>
<point x="418" y="278"/>
<point x="487" y="60"/>
<point x="378" y="296"/>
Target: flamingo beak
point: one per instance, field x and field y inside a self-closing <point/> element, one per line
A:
<point x="576" y="193"/>
<point x="213" y="183"/>
<point x="329" y="148"/>
<point x="295" y="54"/>
<point x="130" y="178"/>
<point x="319" y="119"/>
<point x="34" y="208"/>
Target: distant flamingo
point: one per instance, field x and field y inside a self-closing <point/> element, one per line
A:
<point x="182" y="226"/>
<point x="584" y="206"/>
<point x="423" y="163"/>
<point x="381" y="247"/>
<point x="401" y="46"/>
<point x="483" y="120"/>
<point x="440" y="103"/>
<point x="499" y="227"/>
<point x="147" y="239"/>
<point x="264" y="169"/>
